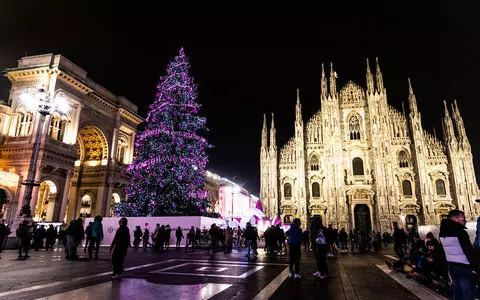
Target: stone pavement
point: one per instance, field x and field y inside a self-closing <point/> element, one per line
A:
<point x="201" y="275"/>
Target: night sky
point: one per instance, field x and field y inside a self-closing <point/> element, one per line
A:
<point x="249" y="65"/>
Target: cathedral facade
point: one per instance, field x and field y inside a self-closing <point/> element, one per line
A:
<point x="360" y="163"/>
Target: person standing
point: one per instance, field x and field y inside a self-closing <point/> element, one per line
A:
<point x="97" y="236"/>
<point x="23" y="234"/>
<point x="399" y="237"/>
<point x="4" y="233"/>
<point x="51" y="236"/>
<point x="179" y="236"/>
<point x="190" y="239"/>
<point x="321" y="248"/>
<point x="120" y="244"/>
<point x="459" y="253"/>
<point x="88" y="235"/>
<point x="145" y="238"/>
<point x="137" y="235"/>
<point x="294" y="235"/>
<point x="251" y="237"/>
<point x="168" y="232"/>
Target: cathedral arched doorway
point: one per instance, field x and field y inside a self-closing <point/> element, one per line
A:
<point x="362" y="218"/>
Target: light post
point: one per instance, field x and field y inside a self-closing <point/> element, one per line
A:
<point x="45" y="104"/>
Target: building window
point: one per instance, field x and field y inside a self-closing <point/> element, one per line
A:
<point x="315" y="189"/>
<point x="57" y="128"/>
<point x="440" y="186"/>
<point x="287" y="190"/>
<point x="403" y="159"/>
<point x="122" y="148"/>
<point x="354" y="128"/>
<point x="314" y="163"/>
<point x="357" y="165"/>
<point x="407" y="188"/>
<point x="24" y="124"/>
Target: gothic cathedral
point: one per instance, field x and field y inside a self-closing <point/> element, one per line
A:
<point x="360" y="163"/>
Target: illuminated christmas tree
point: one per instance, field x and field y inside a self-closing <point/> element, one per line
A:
<point x="168" y="172"/>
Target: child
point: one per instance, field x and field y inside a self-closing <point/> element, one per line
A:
<point x="120" y="244"/>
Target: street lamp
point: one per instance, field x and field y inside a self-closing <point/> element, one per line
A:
<point x="43" y="102"/>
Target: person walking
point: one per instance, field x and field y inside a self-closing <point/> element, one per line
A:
<point x="251" y="237"/>
<point x="179" y="236"/>
<point x="459" y="254"/>
<point x="97" y="236"/>
<point x="145" y="238"/>
<point x="294" y="235"/>
<point x="120" y="244"/>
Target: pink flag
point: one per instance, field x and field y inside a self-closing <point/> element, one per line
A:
<point x="259" y="206"/>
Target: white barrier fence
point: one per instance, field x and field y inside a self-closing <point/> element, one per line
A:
<point x="435" y="229"/>
<point x="110" y="226"/>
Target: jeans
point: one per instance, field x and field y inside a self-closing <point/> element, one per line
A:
<point x="295" y="252"/>
<point x="463" y="282"/>
<point x="94" y="242"/>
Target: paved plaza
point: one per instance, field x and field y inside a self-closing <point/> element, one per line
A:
<point x="179" y="275"/>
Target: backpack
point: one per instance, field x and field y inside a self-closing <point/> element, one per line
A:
<point x="320" y="239"/>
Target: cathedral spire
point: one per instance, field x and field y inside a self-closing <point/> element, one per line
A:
<point x="324" y="84"/>
<point x="298" y="109"/>
<point x="462" y="135"/>
<point x="333" y="81"/>
<point x="273" y="141"/>
<point x="412" y="100"/>
<point x="264" y="132"/>
<point x="448" y="130"/>
<point x="370" y="83"/>
<point x="379" y="78"/>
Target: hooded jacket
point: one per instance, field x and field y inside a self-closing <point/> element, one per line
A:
<point x="456" y="243"/>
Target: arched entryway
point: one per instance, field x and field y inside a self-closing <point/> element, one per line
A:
<point x="362" y="218"/>
<point x="47" y="198"/>
<point x="3" y="202"/>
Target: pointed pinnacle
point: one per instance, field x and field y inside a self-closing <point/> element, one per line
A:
<point x="446" y="109"/>
<point x="368" y="66"/>
<point x="323" y="71"/>
<point x="456" y="106"/>
<point x="273" y="122"/>
<point x="331" y="68"/>
<point x="264" y="121"/>
<point x="298" y="96"/>
<point x="378" y="66"/>
<point x="410" y="90"/>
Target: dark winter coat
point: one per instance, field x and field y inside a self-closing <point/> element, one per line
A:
<point x="121" y="241"/>
<point x="294" y="235"/>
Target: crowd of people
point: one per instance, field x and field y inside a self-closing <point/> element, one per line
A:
<point x="451" y="260"/>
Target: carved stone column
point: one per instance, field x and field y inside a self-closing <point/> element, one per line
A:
<point x="66" y="189"/>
